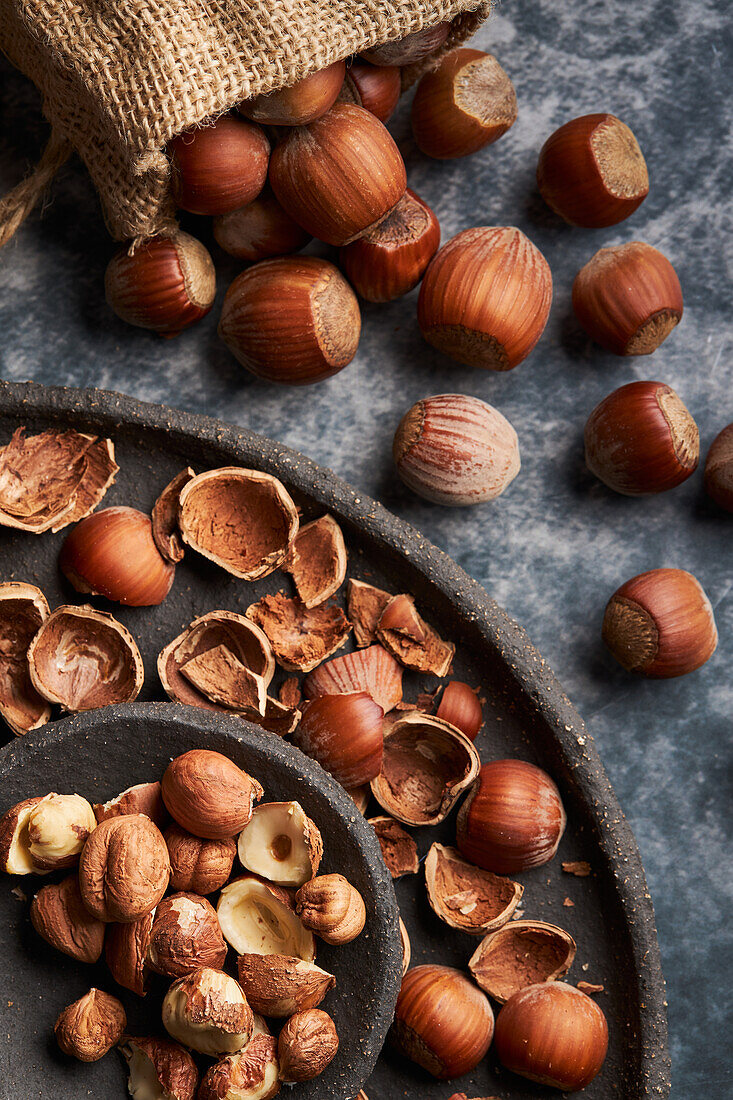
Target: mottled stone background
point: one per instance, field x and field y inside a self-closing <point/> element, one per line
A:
<point x="558" y="543"/>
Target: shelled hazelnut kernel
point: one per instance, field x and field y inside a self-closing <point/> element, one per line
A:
<point x="592" y="172"/>
<point x="260" y="230"/>
<point x="485" y="297"/>
<point x="300" y="103"/>
<point x="376" y="88"/>
<point x="207" y="794"/>
<point x="390" y="259"/>
<point x="197" y="865"/>
<point x="628" y="298"/>
<point x="293" y="320"/>
<point x="340" y="175"/>
<point x="332" y="908"/>
<point x="456" y="450"/>
<point x="91" y="1026"/>
<point x="218" y="167"/>
<point x="124" y="869"/>
<point x="719" y="469"/>
<point x="660" y="624"/>
<point x="166" y="284"/>
<point x="306" y="1045"/>
<point x="57" y="828"/>
<point x="641" y="439"/>
<point x="410" y="49"/>
<point x="465" y="103"/>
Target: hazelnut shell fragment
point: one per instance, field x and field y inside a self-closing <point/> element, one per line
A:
<point x="301" y="638"/>
<point x="23" y="608"/>
<point x="259" y="918"/>
<point x="198" y="866"/>
<point x="15" y="855"/>
<point x="372" y="670"/>
<point x="399" y="850"/>
<point x="306" y="1045"/>
<point x="207" y="794"/>
<point x="406" y="947"/>
<point x="243" y="520"/>
<point x="427" y="765"/>
<point x="82" y="658"/>
<point x="164" y="518"/>
<point x="317" y="561"/>
<point x="142" y="798"/>
<point x="208" y="1011"/>
<point x="126" y="952"/>
<point x="281" y="844"/>
<point x="467" y="897"/>
<point x="185" y="936"/>
<point x="332" y="908"/>
<point x="91" y="1026"/>
<point x="521" y="953"/>
<point x="124" y="868"/>
<point x="59" y="915"/>
<point x="223" y="679"/>
<point x="365" y="604"/>
<point x="409" y="638"/>
<point x="161" y="1065"/>
<point x="278" y="986"/>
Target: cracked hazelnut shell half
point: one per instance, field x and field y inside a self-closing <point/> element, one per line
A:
<point x="281" y="844"/>
<point x="15" y="854"/>
<point x="159" y="1069"/>
<point x="23" y="608"/>
<point x="126" y="952"/>
<point x="521" y="953"/>
<point x="306" y="1045"/>
<point x="207" y="794"/>
<point x="332" y="908"/>
<point x="57" y="828"/>
<point x="410" y="49"/>
<point x="513" y="818"/>
<point x="185" y="935"/>
<point x="317" y="561"/>
<point x="364" y="605"/>
<point x="208" y="1011"/>
<point x="243" y="520"/>
<point x="258" y="918"/>
<point x="219" y="166"/>
<point x="164" y="518"/>
<point x="82" y="659"/>
<point x="399" y="850"/>
<point x="372" y="670"/>
<point x="59" y="915"/>
<point x="250" y="1074"/>
<point x="198" y="866"/>
<point x="719" y="469"/>
<point x="411" y="640"/>
<point x="376" y="88"/>
<point x="124" y="868"/>
<point x="467" y="897"/>
<point x="427" y="765"/>
<point x="142" y="798"/>
<point x="52" y="479"/>
<point x="301" y="637"/>
<point x="91" y="1026"/>
<point x="278" y="986"/>
<point x="344" y="734"/>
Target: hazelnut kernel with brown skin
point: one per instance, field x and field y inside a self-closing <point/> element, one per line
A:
<point x="57" y="827"/>
<point x="250" y="1074"/>
<point x="126" y="952"/>
<point x="59" y="915"/>
<point x="331" y="907"/>
<point x="159" y="1065"/>
<point x="124" y="868"/>
<point x="306" y="1045"/>
<point x="278" y="985"/>
<point x="185" y="936"/>
<point x="207" y="794"/>
<point x="207" y="1011"/>
<point x="198" y="866"/>
<point x="91" y="1026"/>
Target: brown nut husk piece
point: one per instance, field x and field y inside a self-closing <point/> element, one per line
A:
<point x="258" y="918"/>
<point x="406" y="947"/>
<point x="59" y="915"/>
<point x="578" y="867"/>
<point x="522" y="953"/>
<point x="207" y="794"/>
<point x="142" y="798"/>
<point x="332" y="908"/>
<point x="278" y="986"/>
<point x="23" y="608"/>
<point x="290" y="694"/>
<point x="281" y="844"/>
<point x="124" y="868"/>
<point x="198" y="866"/>
<point x="58" y="827"/>
<point x="467" y="897"/>
<point x="427" y="764"/>
<point x="185" y="936"/>
<point x="251" y="1074"/>
<point x="223" y="679"/>
<point x="50" y="480"/>
<point x="399" y="850"/>
<point x="372" y="670"/>
<point x="208" y="1011"/>
<point x="301" y="637"/>
<point x="91" y="1026"/>
<point x="411" y="640"/>
<point x="83" y="659"/>
<point x="306" y="1045"/>
<point x="364" y="605"/>
<point x="360" y="796"/>
<point x="317" y="561"/>
<point x="243" y="520"/>
<point x="15" y="854"/>
<point x="126" y="952"/>
<point x="164" y="518"/>
<point x="159" y="1069"/>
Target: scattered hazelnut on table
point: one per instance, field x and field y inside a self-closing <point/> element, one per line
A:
<point x="306" y="1045"/>
<point x="91" y="1026"/>
<point x="126" y="952"/>
<point x="344" y="734"/>
<point x="461" y="706"/>
<point x="142" y="798"/>
<point x="207" y="1011"/>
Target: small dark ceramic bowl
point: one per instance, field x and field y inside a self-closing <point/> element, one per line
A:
<point x="98" y="754"/>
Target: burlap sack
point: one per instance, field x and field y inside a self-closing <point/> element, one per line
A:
<point x="119" y="78"/>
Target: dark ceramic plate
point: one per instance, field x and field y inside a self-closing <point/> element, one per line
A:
<point x="100" y="753"/>
<point x="526" y="714"/>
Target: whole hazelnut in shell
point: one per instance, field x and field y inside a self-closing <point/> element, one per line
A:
<point x="300" y="103"/>
<point x="260" y="230"/>
<point x="218" y="167"/>
<point x="124" y="868"/>
<point x="410" y="49"/>
<point x="376" y="88"/>
<point x="207" y="794"/>
<point x="91" y="1026"/>
<point x="306" y="1045"/>
<point x="719" y="469"/>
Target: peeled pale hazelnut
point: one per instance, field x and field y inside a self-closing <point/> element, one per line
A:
<point x="159" y="1069"/>
<point x="411" y="640"/>
<point x="82" y="659"/>
<point x="409" y="49"/>
<point x="340" y="175"/>
<point x="126" y="952"/>
<point x="91" y="1026"/>
<point x="57" y="828"/>
<point x="208" y="1011"/>
<point x="365" y="604"/>
<point x="306" y="1045"/>
<point x="15" y="845"/>
<point x="278" y="986"/>
<point x="164" y="518"/>
<point x="486" y="297"/>
<point x="332" y="908"/>
<point x="344" y="734"/>
<point x="513" y="818"/>
<point x="281" y="844"/>
<point x="198" y="866"/>
<point x="628" y="298"/>
<point x="167" y="284"/>
<point x="642" y="439"/>
<point x="399" y="850"/>
<point x="207" y="794"/>
<point x="391" y="258"/>
<point x="219" y="166"/>
<point x="142" y="798"/>
<point x="185" y="936"/>
<point x="260" y="230"/>
<point x="442" y="1021"/>
<point x="250" y="1074"/>
<point x="23" y="608"/>
<point x="426" y="767"/>
<point x="317" y="560"/>
<point x="372" y="670"/>
<point x="592" y="172"/>
<point x="460" y="705"/>
<point x="553" y="1034"/>
<point x="660" y="624"/>
<point x="521" y="953"/>
<point x="124" y="868"/>
<point x="59" y="915"/>
<point x="376" y="88"/>
<point x="468" y="897"/>
<point x="258" y="918"/>
<point x="293" y="320"/>
<point x="463" y="104"/>
<point x="300" y="103"/>
<point x="719" y="469"/>
<point x="301" y="637"/>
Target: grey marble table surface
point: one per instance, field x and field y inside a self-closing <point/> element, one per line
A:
<point x="554" y="548"/>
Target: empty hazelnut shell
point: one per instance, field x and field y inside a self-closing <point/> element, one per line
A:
<point x="243" y="520"/>
<point x="399" y="850"/>
<point x="466" y="896"/>
<point x="427" y="764"/>
<point x="365" y="604"/>
<point x="278" y="986"/>
<point x="301" y="637"/>
<point x="372" y="670"/>
<point x="164" y="518"/>
<point x="317" y="561"/>
<point x="23" y="608"/>
<point x="411" y="640"/>
<point x="521" y="953"/>
<point x="224" y="680"/>
<point x="82" y="659"/>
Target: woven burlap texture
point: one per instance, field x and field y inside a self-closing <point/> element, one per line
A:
<point x="119" y="78"/>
